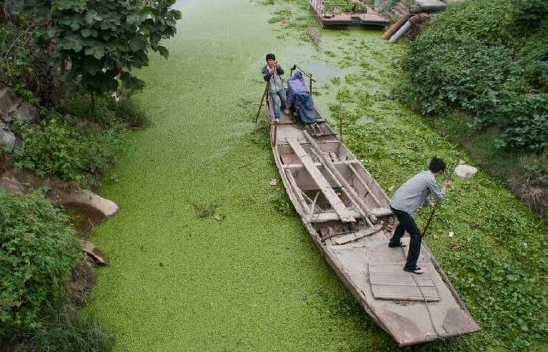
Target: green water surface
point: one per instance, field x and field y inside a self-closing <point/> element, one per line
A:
<point x="244" y="277"/>
<point x="248" y="279"/>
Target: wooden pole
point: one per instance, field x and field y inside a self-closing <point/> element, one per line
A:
<point x="261" y="104"/>
<point x="275" y="133"/>
<point x="436" y="205"/>
<point x="340" y="124"/>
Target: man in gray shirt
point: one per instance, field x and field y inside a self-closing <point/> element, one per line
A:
<point x="407" y="199"/>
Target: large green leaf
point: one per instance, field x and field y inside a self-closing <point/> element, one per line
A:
<point x="97" y="51"/>
<point x="137" y="44"/>
<point x="71" y="43"/>
<point x="86" y="32"/>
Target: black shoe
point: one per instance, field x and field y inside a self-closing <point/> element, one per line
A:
<point x="394" y="245"/>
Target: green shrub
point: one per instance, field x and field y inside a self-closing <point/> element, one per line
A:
<point x="54" y="148"/>
<point x="129" y="113"/>
<point x="534" y="58"/>
<point x="448" y="73"/>
<point x="99" y="150"/>
<point x="489" y="21"/>
<point x="527" y="123"/>
<point x="531" y="15"/>
<point x="472" y="59"/>
<point x="37" y="254"/>
<point x="48" y="149"/>
<point x="345" y="6"/>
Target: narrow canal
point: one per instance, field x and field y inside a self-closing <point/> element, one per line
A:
<point x="201" y="258"/>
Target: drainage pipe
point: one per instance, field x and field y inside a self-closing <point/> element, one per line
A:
<point x="397" y="36"/>
<point x="394" y="28"/>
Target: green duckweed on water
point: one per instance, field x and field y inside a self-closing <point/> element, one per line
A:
<point x="201" y="257"/>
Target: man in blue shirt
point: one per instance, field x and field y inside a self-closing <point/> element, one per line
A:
<point x="271" y="73"/>
<point x="407" y="199"/>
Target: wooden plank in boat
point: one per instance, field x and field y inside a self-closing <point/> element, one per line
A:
<point x="331" y="216"/>
<point x="324" y="186"/>
<point x="379" y="212"/>
<point x="355" y="236"/>
<point x="400" y="279"/>
<point x="405" y="293"/>
<point x="389" y="281"/>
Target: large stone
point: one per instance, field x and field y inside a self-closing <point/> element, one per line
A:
<point x="8" y="103"/>
<point x="12" y="106"/>
<point x="106" y="207"/>
<point x="94" y="252"/>
<point x="27" y="112"/>
<point x="7" y="138"/>
<point x="465" y="171"/>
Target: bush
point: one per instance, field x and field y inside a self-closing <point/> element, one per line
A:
<point x="527" y="123"/>
<point x="345" y="6"/>
<point x="130" y="113"/>
<point x="48" y="149"/>
<point x="54" y="148"/>
<point x="37" y="254"/>
<point x="534" y="59"/>
<point x="474" y="59"/>
<point x="448" y="73"/>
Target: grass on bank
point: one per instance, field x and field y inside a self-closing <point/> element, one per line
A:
<point x="480" y="72"/>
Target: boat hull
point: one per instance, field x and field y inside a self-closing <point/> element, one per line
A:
<point x="347" y="215"/>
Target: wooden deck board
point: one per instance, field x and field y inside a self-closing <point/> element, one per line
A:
<point x="389" y="281"/>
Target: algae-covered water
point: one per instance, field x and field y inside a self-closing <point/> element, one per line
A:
<point x="202" y="258"/>
<point x="245" y="278"/>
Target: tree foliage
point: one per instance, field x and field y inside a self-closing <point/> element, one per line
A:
<point x="98" y="42"/>
<point x="488" y="59"/>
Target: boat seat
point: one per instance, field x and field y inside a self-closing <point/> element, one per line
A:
<point x="326" y="216"/>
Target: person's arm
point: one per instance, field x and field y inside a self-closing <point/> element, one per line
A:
<point x="437" y="192"/>
<point x="266" y="74"/>
<point x="279" y="70"/>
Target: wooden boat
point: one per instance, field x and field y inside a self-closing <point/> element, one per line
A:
<point x="348" y="216"/>
<point x="337" y="19"/>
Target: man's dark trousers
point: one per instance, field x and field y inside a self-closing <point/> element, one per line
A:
<point x="407" y="223"/>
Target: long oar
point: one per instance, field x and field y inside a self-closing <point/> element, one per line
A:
<point x="262" y="99"/>
<point x="436" y="205"/>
